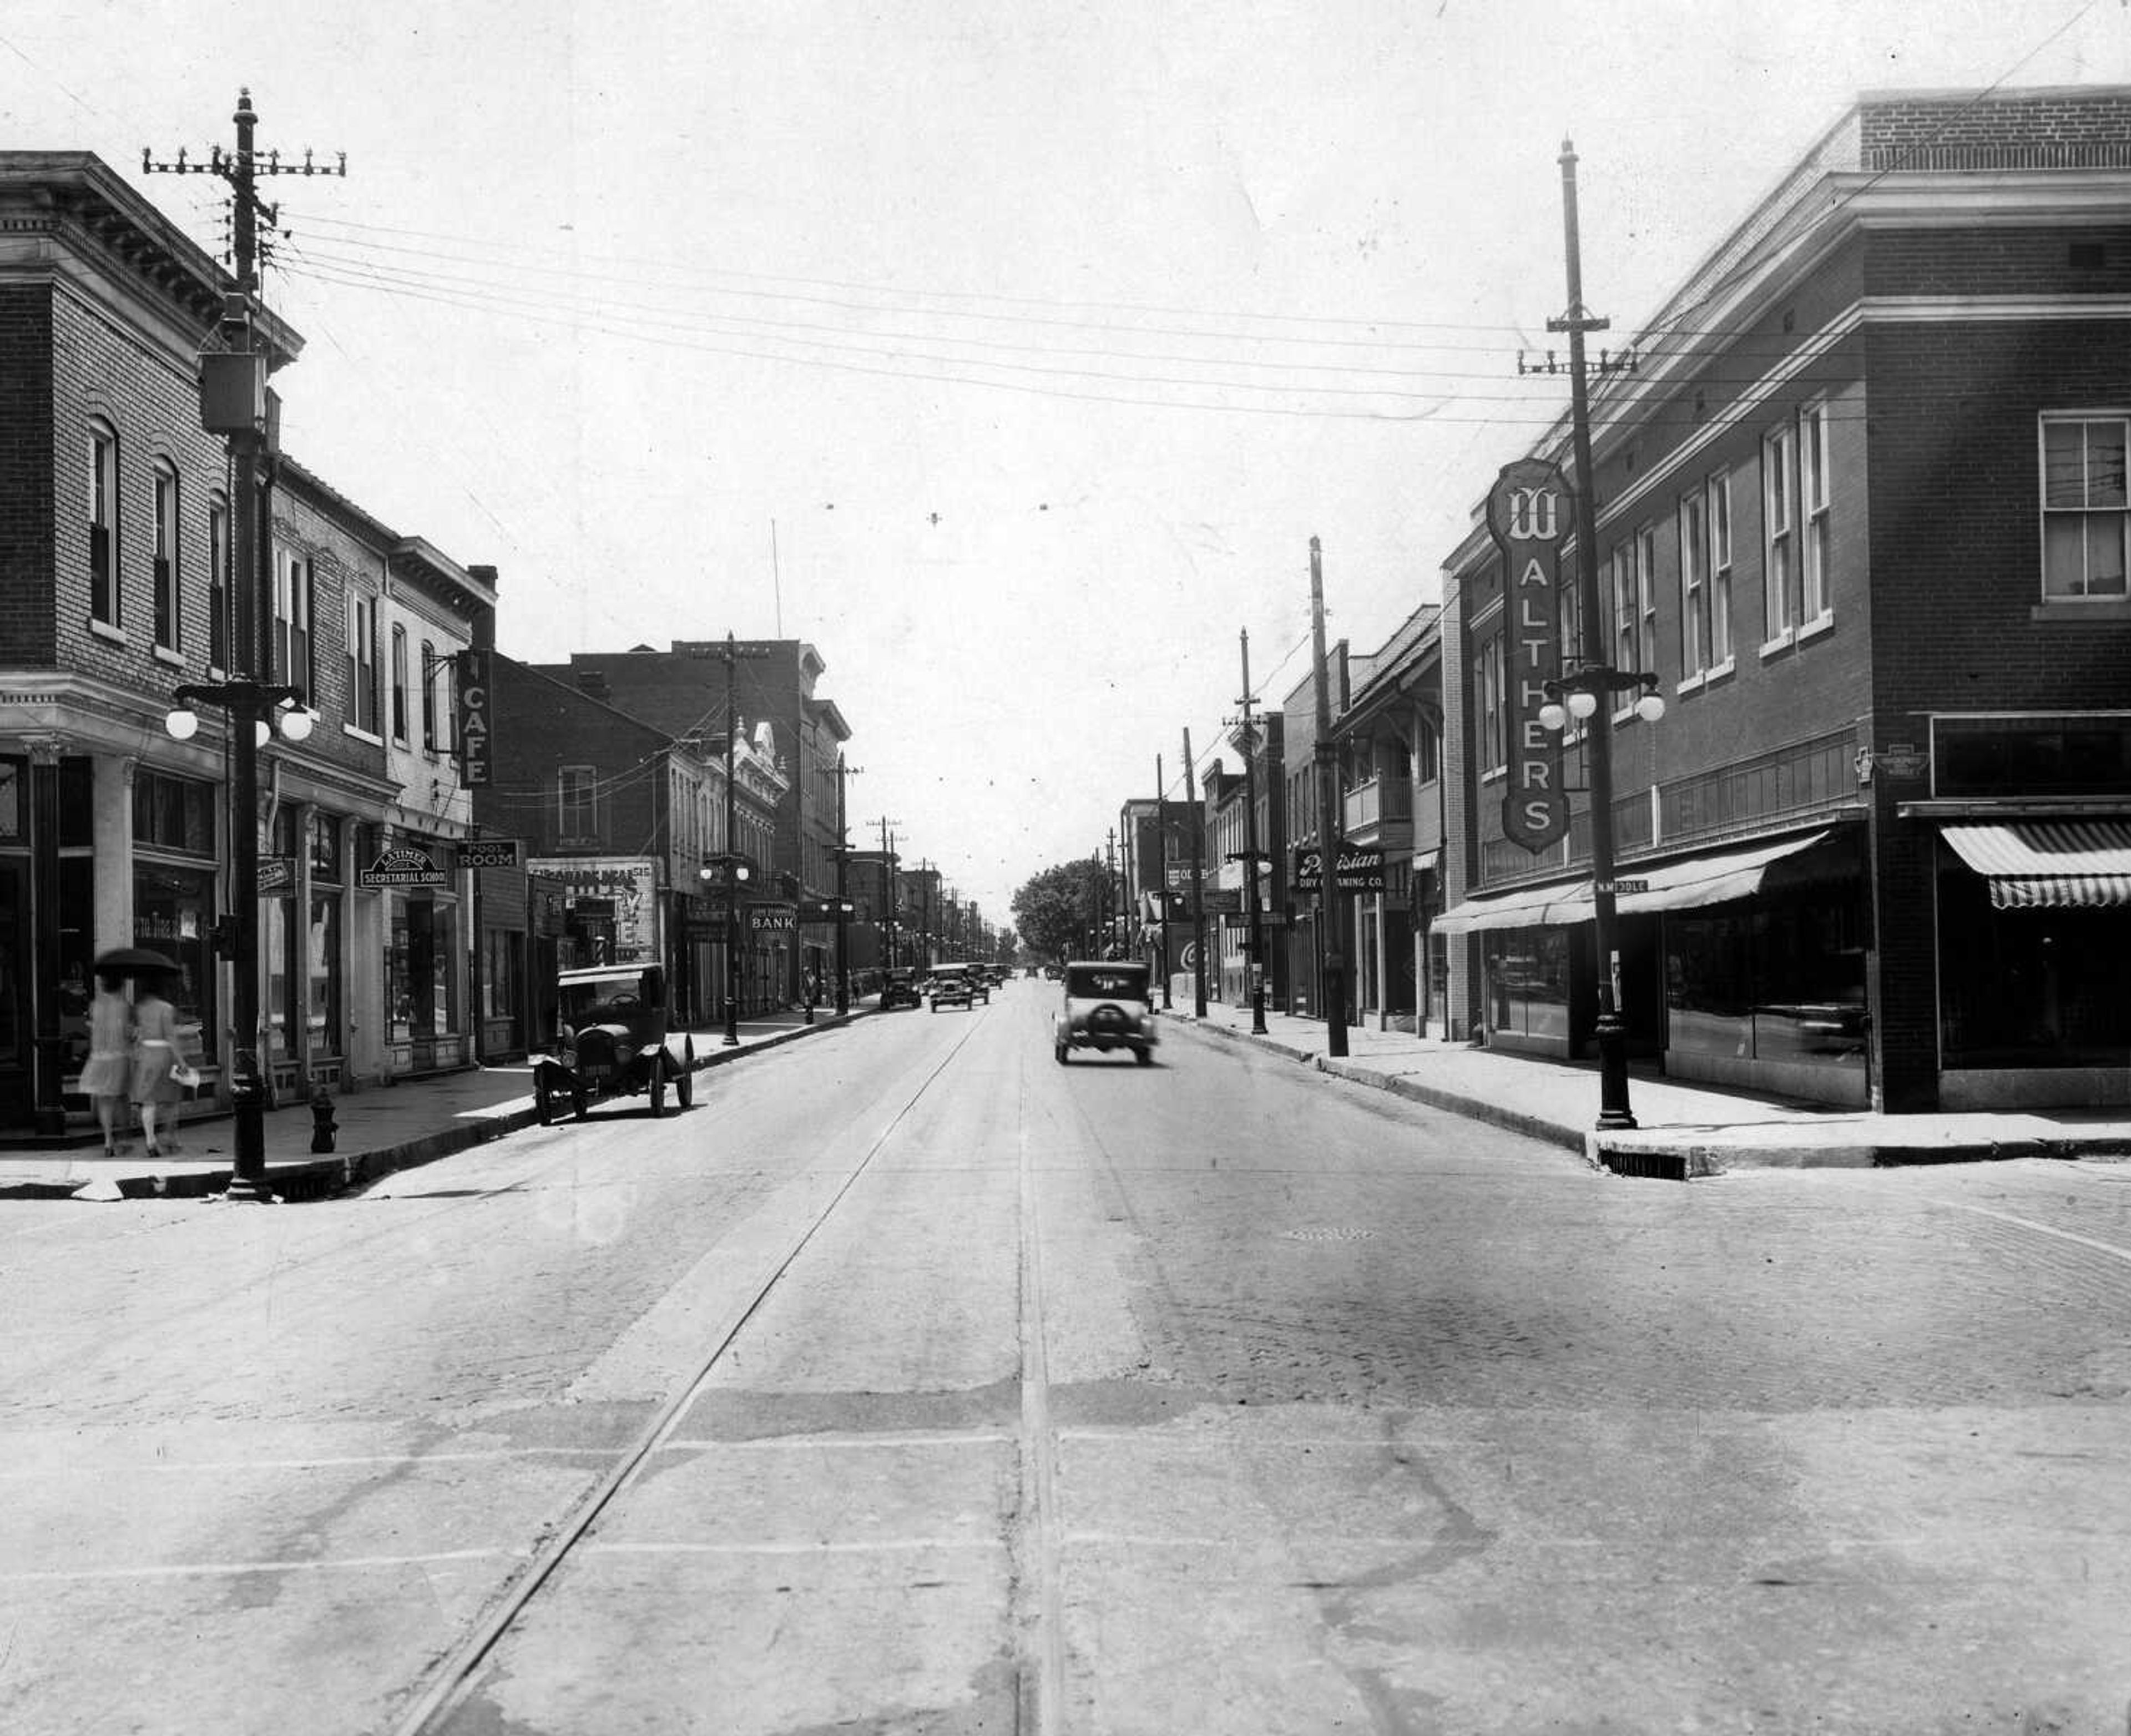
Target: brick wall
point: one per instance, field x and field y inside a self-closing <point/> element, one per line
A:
<point x="2009" y="129"/>
<point x="27" y="614"/>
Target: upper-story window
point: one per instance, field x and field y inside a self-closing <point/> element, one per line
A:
<point x="1815" y="602"/>
<point x="363" y="694"/>
<point x="2086" y="517"/>
<point x="399" y="685"/>
<point x="1780" y="563"/>
<point x="429" y="674"/>
<point x="218" y="582"/>
<point x="577" y="813"/>
<point x="168" y="625"/>
<point x="1705" y="578"/>
<point x="294" y="582"/>
<point x="1635" y="603"/>
<point x="1487" y="702"/>
<point x="103" y="524"/>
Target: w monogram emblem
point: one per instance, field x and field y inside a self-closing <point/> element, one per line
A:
<point x="1534" y="514"/>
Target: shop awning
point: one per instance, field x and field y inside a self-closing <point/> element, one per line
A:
<point x="1530" y="907"/>
<point x="1689" y="884"/>
<point x="1707" y="879"/>
<point x="2042" y="865"/>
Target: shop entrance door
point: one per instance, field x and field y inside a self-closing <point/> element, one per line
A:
<point x="18" y="1078"/>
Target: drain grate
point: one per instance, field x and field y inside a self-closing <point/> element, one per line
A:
<point x="1329" y="1233"/>
<point x="1655" y="1166"/>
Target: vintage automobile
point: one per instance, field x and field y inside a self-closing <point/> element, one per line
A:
<point x="1107" y="1004"/>
<point x="957" y="986"/>
<point x="611" y="1040"/>
<point x="899" y="988"/>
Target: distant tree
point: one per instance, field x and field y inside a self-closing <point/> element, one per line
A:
<point x="1059" y="909"/>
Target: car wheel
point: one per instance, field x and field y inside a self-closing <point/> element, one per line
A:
<point x="684" y="1088"/>
<point x="655" y="1086"/>
<point x="580" y="1104"/>
<point x="1060" y="1051"/>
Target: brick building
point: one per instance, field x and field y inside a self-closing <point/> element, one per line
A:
<point x="624" y="817"/>
<point x="115" y="589"/>
<point x="681" y="690"/>
<point x="1861" y="511"/>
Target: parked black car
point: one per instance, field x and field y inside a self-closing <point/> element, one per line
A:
<point x="612" y="1041"/>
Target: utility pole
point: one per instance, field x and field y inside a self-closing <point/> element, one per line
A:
<point x="1326" y="753"/>
<point x="1198" y="882"/>
<point x="1161" y="868"/>
<point x="1255" y="963"/>
<point x="887" y="885"/>
<point x="1109" y="890"/>
<point x="735" y="870"/>
<point x="843" y="893"/>
<point x="1612" y="1030"/>
<point x="248" y="696"/>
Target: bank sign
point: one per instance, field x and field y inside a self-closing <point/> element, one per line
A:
<point x="1528" y="515"/>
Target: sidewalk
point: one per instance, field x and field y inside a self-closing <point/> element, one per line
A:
<point x="381" y="1127"/>
<point x="1684" y="1130"/>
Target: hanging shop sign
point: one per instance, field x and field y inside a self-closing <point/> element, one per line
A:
<point x="767" y="922"/>
<point x="402" y="867"/>
<point x="471" y="703"/>
<point x="1360" y="870"/>
<point x="276" y="873"/>
<point x="1528" y="513"/>
<point x="491" y="853"/>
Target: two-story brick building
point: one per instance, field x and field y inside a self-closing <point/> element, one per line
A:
<point x="1861" y="511"/>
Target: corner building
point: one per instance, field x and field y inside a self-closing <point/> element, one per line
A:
<point x="1861" y="510"/>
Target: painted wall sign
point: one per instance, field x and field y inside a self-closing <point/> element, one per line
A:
<point x="630" y="883"/>
<point x="1528" y="515"/>
<point x="1361" y="869"/>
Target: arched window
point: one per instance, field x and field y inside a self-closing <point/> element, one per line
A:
<point x="103" y="523"/>
<point x="168" y="615"/>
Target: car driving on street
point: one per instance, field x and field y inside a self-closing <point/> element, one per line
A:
<point x="1107" y="1004"/>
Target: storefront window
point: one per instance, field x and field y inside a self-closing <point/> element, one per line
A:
<point x="276" y="949"/>
<point x="322" y="1005"/>
<point x="2028" y="988"/>
<point x="1528" y="982"/>
<point x="173" y="913"/>
<point x="1783" y="981"/>
<point x="424" y="985"/>
<point x="173" y="813"/>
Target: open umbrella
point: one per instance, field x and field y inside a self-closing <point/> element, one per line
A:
<point x="133" y="961"/>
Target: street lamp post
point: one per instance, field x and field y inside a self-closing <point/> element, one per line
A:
<point x="250" y="705"/>
<point x="1584" y="693"/>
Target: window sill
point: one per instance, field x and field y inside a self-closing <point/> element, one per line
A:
<point x="1781" y="643"/>
<point x="361" y="734"/>
<point x="1819" y="625"/>
<point x="2064" y="611"/>
<point x="1692" y="684"/>
<point x="163" y="654"/>
<point x="104" y="630"/>
<point x="1496" y="776"/>
<point x="1718" y="672"/>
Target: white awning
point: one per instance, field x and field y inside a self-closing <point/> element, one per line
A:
<point x="1707" y="879"/>
<point x="1531" y="907"/>
<point x="1689" y="884"/>
<point x="2050" y="864"/>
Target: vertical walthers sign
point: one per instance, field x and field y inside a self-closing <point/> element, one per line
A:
<point x="473" y="716"/>
<point x="1527" y="512"/>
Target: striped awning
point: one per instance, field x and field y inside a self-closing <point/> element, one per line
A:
<point x="2050" y="864"/>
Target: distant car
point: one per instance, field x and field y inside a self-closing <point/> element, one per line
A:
<point x="611" y="1040"/>
<point x="958" y="985"/>
<point x="899" y="988"/>
<point x="1107" y="1004"/>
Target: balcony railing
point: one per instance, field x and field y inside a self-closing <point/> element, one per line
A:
<point x="1376" y="801"/>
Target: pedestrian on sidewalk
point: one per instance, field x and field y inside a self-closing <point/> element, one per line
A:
<point x="156" y="1058"/>
<point x="107" y="1076"/>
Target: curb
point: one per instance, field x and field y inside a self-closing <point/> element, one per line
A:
<point x="327" y="1178"/>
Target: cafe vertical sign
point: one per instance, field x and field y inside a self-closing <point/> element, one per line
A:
<point x="1527" y="512"/>
<point x="473" y="716"/>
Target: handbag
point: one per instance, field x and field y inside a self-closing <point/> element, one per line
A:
<point x="185" y="1073"/>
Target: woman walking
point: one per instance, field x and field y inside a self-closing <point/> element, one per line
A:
<point x="107" y="1076"/>
<point x="156" y="1054"/>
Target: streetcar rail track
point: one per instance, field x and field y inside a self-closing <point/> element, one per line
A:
<point x="449" y="1681"/>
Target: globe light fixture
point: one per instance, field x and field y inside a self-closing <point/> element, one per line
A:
<point x="1583" y="703"/>
<point x="1554" y="714"/>
<point x="1650" y="707"/>
<point x="182" y="724"/>
<point x="298" y="722"/>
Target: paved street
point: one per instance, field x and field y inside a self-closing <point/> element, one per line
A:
<point x="911" y="1382"/>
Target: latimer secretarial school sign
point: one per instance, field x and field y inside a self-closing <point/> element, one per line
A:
<point x="1528" y="515"/>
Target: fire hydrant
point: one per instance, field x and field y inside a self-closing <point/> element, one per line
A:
<point x="323" y="1124"/>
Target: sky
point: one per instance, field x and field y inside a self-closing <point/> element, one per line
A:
<point x="1011" y="355"/>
